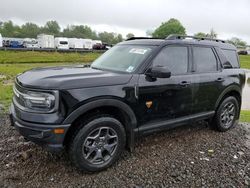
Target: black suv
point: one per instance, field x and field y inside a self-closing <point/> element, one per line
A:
<point x="137" y="87"/>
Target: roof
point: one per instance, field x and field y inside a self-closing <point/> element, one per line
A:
<point x="194" y="41"/>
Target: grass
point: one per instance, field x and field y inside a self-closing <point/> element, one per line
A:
<point x="245" y="116"/>
<point x="45" y="57"/>
<point x="245" y="61"/>
<point x="13" y="63"/>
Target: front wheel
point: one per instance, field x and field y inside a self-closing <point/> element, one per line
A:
<point x="98" y="144"/>
<point x="227" y="114"/>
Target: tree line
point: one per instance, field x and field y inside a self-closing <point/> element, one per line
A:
<point x="31" y="30"/>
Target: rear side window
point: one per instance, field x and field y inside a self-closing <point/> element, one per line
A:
<point x="175" y="58"/>
<point x="232" y="57"/>
<point x="204" y="59"/>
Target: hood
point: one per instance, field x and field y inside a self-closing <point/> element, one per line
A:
<point x="70" y="77"/>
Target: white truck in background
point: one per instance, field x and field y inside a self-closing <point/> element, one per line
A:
<point x="61" y="43"/>
<point x="87" y="44"/>
<point x="75" y="43"/>
<point x="46" y="41"/>
<point x="1" y="41"/>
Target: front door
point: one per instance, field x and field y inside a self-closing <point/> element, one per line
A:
<point x="163" y="99"/>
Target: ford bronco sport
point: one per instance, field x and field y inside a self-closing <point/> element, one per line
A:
<point x="139" y="86"/>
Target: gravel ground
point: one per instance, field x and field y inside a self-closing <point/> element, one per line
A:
<point x="189" y="156"/>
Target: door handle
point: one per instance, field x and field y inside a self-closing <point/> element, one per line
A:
<point x="220" y="79"/>
<point x="184" y="83"/>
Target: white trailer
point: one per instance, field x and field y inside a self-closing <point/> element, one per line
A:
<point x="61" y="43"/>
<point x="1" y="41"/>
<point x="87" y="44"/>
<point x="75" y="43"/>
<point x="45" y="41"/>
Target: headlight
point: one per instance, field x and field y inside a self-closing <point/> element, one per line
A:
<point x="39" y="101"/>
<point x="35" y="100"/>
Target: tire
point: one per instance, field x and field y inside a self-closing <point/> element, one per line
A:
<point x="97" y="144"/>
<point x="226" y="114"/>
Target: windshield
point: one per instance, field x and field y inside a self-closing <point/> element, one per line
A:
<point x="124" y="58"/>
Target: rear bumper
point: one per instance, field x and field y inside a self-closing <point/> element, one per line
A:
<point x="41" y="134"/>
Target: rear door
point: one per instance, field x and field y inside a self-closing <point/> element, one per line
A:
<point x="207" y="78"/>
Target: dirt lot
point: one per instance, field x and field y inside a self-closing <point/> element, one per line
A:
<point x="189" y="156"/>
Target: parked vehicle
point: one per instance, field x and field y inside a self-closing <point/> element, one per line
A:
<point x="45" y="41"/>
<point x="6" y="43"/>
<point x="30" y="43"/>
<point x="61" y="43"/>
<point x="75" y="43"/>
<point x="97" y="44"/>
<point x="1" y="41"/>
<point x="138" y="87"/>
<point x="242" y="52"/>
<point x="16" y="44"/>
<point x="87" y="44"/>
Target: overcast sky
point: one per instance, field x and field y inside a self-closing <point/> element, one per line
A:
<point x="227" y="17"/>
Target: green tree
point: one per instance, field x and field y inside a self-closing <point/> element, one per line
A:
<point x="237" y="42"/>
<point x="30" y="30"/>
<point x="130" y="35"/>
<point x="79" y="31"/>
<point x="172" y="26"/>
<point x="8" y="29"/>
<point x="212" y="34"/>
<point x="52" y="27"/>
<point x="200" y="34"/>
<point x="110" y="37"/>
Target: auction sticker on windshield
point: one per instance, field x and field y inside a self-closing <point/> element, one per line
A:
<point x="130" y="69"/>
<point x="138" y="51"/>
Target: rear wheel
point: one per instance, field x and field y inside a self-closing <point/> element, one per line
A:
<point x="98" y="144"/>
<point x="227" y="114"/>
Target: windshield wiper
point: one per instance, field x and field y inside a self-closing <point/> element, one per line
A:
<point x="96" y="68"/>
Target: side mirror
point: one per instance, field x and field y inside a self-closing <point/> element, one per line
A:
<point x="158" y="72"/>
<point x="227" y="65"/>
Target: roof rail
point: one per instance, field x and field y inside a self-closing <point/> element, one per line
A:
<point x="181" y="37"/>
<point x="135" y="38"/>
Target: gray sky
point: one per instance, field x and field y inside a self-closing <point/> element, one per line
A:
<point x="227" y="17"/>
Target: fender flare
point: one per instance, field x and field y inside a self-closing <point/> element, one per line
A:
<point x="227" y="90"/>
<point x="111" y="103"/>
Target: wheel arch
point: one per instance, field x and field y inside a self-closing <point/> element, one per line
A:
<point x="232" y="90"/>
<point x="113" y="107"/>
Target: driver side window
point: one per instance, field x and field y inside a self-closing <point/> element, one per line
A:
<point x="175" y="58"/>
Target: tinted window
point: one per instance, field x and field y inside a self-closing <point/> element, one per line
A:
<point x="204" y="59"/>
<point x="232" y="57"/>
<point x="175" y="58"/>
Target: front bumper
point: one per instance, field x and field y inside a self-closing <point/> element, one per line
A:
<point x="42" y="134"/>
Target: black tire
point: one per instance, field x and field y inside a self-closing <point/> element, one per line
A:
<point x="77" y="146"/>
<point x="225" y="118"/>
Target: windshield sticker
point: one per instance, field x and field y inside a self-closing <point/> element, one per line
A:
<point x="130" y="69"/>
<point x="138" y="51"/>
